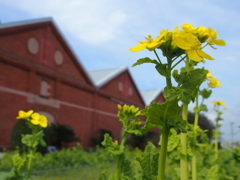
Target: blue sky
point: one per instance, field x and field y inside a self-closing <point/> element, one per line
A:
<point x="101" y="33"/>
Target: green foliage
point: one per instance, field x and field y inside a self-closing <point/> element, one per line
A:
<point x="203" y="122"/>
<point x="162" y="69"/>
<point x="206" y="93"/>
<point x="21" y="129"/>
<point x="97" y="141"/>
<point x="213" y="173"/>
<point x="149" y="163"/>
<point x="62" y="133"/>
<point x="168" y="111"/>
<point x="141" y="141"/>
<point x="144" y="60"/>
<point x="111" y="146"/>
<point x="188" y="84"/>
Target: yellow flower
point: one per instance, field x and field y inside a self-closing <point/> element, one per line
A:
<point x="150" y="44"/>
<point x="38" y="119"/>
<point x="202" y="33"/>
<point x="192" y="45"/>
<point x="213" y="38"/>
<point x="24" y="115"/>
<point x="225" y="107"/>
<point x="119" y="107"/>
<point x="187" y="27"/>
<point x="213" y="82"/>
<point x="215" y="103"/>
<point x="208" y="74"/>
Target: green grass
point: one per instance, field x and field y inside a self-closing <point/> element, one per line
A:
<point x="83" y="173"/>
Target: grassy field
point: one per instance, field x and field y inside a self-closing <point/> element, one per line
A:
<point x="83" y="173"/>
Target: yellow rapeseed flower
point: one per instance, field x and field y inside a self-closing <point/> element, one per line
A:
<point x="208" y="74"/>
<point x="225" y="107"/>
<point x="24" y="115"/>
<point x="38" y="119"/>
<point x="213" y="38"/>
<point x="215" y="103"/>
<point x="213" y="82"/>
<point x="187" y="27"/>
<point x="151" y="43"/>
<point x="192" y="45"/>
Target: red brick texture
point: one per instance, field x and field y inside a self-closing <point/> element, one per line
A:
<point x="69" y="97"/>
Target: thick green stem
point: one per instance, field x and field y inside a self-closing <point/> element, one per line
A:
<point x="117" y="174"/>
<point x="183" y="159"/>
<point x="216" y="144"/>
<point x="118" y="163"/>
<point x="164" y="134"/>
<point x="31" y="153"/>
<point x="194" y="164"/>
<point x="163" y="151"/>
<point x="30" y="163"/>
<point x="194" y="157"/>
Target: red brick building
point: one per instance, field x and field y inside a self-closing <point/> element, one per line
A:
<point x="39" y="71"/>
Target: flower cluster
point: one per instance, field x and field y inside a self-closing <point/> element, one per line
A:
<point x="213" y="82"/>
<point x="34" y="118"/>
<point x="188" y="40"/>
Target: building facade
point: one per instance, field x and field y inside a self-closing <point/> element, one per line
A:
<point x="40" y="72"/>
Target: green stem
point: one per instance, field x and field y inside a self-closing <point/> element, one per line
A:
<point x="117" y="177"/>
<point x="118" y="163"/>
<point x="216" y="143"/>
<point x="194" y="164"/>
<point x="178" y="62"/>
<point x="163" y="151"/>
<point x="183" y="159"/>
<point x="194" y="157"/>
<point x="157" y="56"/>
<point x="165" y="133"/>
<point x="31" y="153"/>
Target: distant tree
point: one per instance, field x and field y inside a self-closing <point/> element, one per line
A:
<point x="141" y="141"/>
<point x="62" y="133"/>
<point x="203" y="122"/>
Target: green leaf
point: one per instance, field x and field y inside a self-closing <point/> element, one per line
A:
<point x="126" y="171"/>
<point x="27" y="139"/>
<point x="173" y="140"/>
<point x="213" y="173"/>
<point x="162" y="69"/>
<point x="169" y="110"/>
<point x="203" y="107"/>
<point x="39" y="138"/>
<point x="19" y="162"/>
<point x="190" y="87"/>
<point x="172" y="93"/>
<point x="206" y="93"/>
<point x="145" y="60"/>
<point x="149" y="163"/>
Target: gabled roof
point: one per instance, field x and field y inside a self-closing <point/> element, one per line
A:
<point x="9" y="28"/>
<point x="101" y="77"/>
<point x="26" y="22"/>
<point x="150" y="95"/>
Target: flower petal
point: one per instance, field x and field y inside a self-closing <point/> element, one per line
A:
<point x="204" y="55"/>
<point x="43" y="121"/>
<point x="193" y="55"/>
<point x="220" y="42"/>
<point x="138" y="47"/>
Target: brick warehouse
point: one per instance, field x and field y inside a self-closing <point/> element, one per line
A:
<point x="39" y="71"/>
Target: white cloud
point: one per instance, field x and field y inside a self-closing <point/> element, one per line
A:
<point x="93" y="22"/>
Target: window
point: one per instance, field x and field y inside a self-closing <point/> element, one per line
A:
<point x="44" y="89"/>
